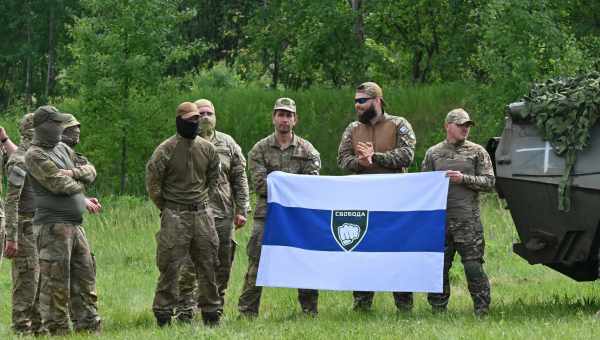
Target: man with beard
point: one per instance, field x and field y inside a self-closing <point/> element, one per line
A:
<point x="229" y="206"/>
<point x="281" y="151"/>
<point x="20" y="239"/>
<point x="470" y="170"/>
<point x="375" y="144"/>
<point x="181" y="175"/>
<point x="67" y="275"/>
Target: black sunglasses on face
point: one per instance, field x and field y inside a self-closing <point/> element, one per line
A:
<point x="362" y="100"/>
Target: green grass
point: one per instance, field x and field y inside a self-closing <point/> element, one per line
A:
<point x="527" y="301"/>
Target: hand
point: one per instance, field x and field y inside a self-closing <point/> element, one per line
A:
<point x="455" y="176"/>
<point x="68" y="173"/>
<point x="239" y="221"/>
<point x="365" y="154"/>
<point x="92" y="205"/>
<point x="348" y="233"/>
<point x="3" y="134"/>
<point x="10" y="249"/>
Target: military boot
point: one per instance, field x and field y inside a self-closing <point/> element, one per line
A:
<point x="211" y="319"/>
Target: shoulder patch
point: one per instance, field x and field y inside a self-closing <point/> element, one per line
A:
<point x="17" y="176"/>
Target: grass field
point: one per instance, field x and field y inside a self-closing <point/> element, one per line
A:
<point x="527" y="301"/>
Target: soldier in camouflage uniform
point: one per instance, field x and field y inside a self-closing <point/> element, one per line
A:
<point x="377" y="143"/>
<point x="67" y="275"/>
<point x="7" y="147"/>
<point x="470" y="170"/>
<point x="229" y="207"/>
<point x="21" y="243"/>
<point x="181" y="175"/>
<point x="281" y="151"/>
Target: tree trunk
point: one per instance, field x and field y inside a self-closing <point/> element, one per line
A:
<point x="359" y="23"/>
<point x="275" y="74"/>
<point x="51" y="50"/>
<point x="28" y="71"/>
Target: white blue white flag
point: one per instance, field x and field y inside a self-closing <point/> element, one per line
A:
<point x="366" y="232"/>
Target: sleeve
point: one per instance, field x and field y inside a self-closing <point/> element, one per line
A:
<point x="239" y="181"/>
<point x="16" y="180"/>
<point x="427" y="164"/>
<point x="40" y="167"/>
<point x="313" y="165"/>
<point x="213" y="170"/>
<point x="402" y="155"/>
<point x="84" y="170"/>
<point x="155" y="170"/>
<point x="484" y="179"/>
<point x="346" y="159"/>
<point x="258" y="171"/>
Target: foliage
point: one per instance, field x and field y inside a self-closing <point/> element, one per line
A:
<point x="564" y="110"/>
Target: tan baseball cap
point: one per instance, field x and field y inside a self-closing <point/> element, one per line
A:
<point x="71" y="122"/>
<point x="287" y="104"/>
<point x="47" y="112"/>
<point x="187" y="110"/>
<point x="459" y="117"/>
<point x="371" y="89"/>
<point x="204" y="105"/>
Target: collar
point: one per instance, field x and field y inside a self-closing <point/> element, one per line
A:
<point x="275" y="144"/>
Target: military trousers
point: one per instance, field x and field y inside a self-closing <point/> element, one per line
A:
<point x="185" y="234"/>
<point x="25" y="276"/>
<point x="189" y="297"/>
<point x="249" y="302"/>
<point x="465" y="236"/>
<point x="67" y="279"/>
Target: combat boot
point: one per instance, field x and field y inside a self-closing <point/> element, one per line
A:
<point x="211" y="319"/>
<point x="163" y="320"/>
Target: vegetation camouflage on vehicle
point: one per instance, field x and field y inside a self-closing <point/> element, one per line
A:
<point x="564" y="110"/>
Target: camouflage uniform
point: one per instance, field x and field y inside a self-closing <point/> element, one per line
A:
<point x="300" y="157"/>
<point x="394" y="144"/>
<point x="231" y="199"/>
<point x="3" y="159"/>
<point x="464" y="231"/>
<point x="180" y="176"/>
<point x="19" y="223"/>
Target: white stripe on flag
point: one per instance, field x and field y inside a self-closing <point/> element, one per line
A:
<point x="385" y="192"/>
<point x="368" y="271"/>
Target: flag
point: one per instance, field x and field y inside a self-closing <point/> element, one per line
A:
<point x="365" y="232"/>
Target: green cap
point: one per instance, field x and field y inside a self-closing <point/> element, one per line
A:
<point x="459" y="117"/>
<point x="287" y="104"/>
<point x="71" y="122"/>
<point x="47" y="112"/>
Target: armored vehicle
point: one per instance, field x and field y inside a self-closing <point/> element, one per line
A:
<point x="528" y="173"/>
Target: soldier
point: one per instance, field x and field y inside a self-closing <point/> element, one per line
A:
<point x="20" y="239"/>
<point x="181" y="175"/>
<point x="281" y="151"/>
<point x="7" y="147"/>
<point x="375" y="144"/>
<point x="470" y="170"/>
<point x="229" y="207"/>
<point x="67" y="275"/>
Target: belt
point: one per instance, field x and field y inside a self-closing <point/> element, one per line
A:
<point x="185" y="207"/>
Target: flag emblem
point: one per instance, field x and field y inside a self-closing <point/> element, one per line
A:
<point x="349" y="227"/>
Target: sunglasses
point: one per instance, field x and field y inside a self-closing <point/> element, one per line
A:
<point x="362" y="100"/>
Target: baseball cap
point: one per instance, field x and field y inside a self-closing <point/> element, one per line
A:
<point x="47" y="112"/>
<point x="459" y="117"/>
<point x="284" y="103"/>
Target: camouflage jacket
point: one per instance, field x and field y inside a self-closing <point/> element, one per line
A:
<point x="395" y="156"/>
<point x="478" y="175"/>
<point x="19" y="194"/>
<point x="231" y="197"/>
<point x="182" y="171"/>
<point x="266" y="156"/>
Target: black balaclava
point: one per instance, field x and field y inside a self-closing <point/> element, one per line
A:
<point x="185" y="128"/>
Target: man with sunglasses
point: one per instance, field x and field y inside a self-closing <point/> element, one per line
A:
<point x="375" y="144"/>
<point x="229" y="206"/>
<point x="470" y="170"/>
<point x="281" y="151"/>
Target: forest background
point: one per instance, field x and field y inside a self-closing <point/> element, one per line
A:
<point x="122" y="66"/>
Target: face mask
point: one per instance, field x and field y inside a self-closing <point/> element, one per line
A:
<point x="207" y="125"/>
<point x="185" y="128"/>
<point x="367" y="115"/>
<point x="48" y="134"/>
<point x="71" y="136"/>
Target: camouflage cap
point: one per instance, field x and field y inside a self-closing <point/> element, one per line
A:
<point x="204" y="104"/>
<point x="71" y="122"/>
<point x="47" y="112"/>
<point x="371" y="89"/>
<point x="187" y="110"/>
<point x="459" y="117"/>
<point x="287" y="104"/>
<point x="26" y="124"/>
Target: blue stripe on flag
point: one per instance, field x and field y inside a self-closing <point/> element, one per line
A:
<point x="412" y="231"/>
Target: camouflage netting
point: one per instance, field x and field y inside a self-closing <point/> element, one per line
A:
<point x="564" y="110"/>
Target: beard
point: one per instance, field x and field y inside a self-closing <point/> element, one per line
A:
<point x="367" y="115"/>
